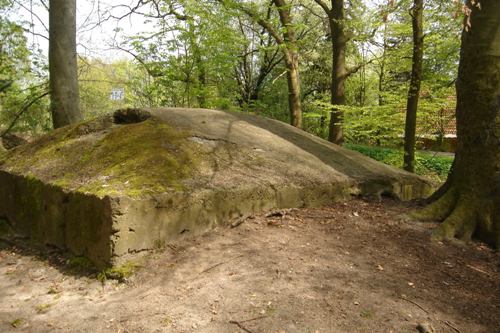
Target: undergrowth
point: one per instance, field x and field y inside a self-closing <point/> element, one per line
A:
<point x="427" y="164"/>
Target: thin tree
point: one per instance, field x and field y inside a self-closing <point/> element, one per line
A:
<point x="286" y="39"/>
<point x="469" y="201"/>
<point x="64" y="96"/>
<point x="414" y="89"/>
<point x="339" y="37"/>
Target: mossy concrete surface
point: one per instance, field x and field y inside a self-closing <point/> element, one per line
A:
<point x="103" y="189"/>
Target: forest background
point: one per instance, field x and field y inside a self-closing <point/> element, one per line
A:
<point x="218" y="54"/>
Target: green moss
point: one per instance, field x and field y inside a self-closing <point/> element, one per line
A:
<point x="134" y="160"/>
<point x="120" y="273"/>
<point x="42" y="308"/>
<point x="80" y="264"/>
<point x="3" y="156"/>
<point x="16" y="323"/>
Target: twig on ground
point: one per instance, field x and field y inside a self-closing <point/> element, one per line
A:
<point x="238" y="222"/>
<point x="219" y="264"/>
<point x="478" y="269"/>
<point x="173" y="248"/>
<point x="257" y="318"/>
<point x="446" y="322"/>
<point x="451" y="326"/>
<point x="415" y="303"/>
<point x="239" y="323"/>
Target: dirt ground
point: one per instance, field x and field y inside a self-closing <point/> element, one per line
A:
<point x="352" y="267"/>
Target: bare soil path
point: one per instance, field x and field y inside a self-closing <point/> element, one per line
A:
<point x="352" y="267"/>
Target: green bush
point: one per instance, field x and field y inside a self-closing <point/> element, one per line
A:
<point x="427" y="164"/>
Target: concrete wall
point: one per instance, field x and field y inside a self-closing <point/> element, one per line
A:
<point x="48" y="215"/>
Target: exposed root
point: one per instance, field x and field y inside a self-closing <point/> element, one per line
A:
<point x="463" y="216"/>
<point x="439" y="209"/>
<point x="460" y="223"/>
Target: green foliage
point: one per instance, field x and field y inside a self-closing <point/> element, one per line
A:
<point x="427" y="164"/>
<point x="22" y="79"/>
<point x="97" y="78"/>
<point x="204" y="54"/>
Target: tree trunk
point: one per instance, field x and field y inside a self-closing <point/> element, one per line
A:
<point x="64" y="97"/>
<point x="414" y="90"/>
<point x="201" y="74"/>
<point x="339" y="70"/>
<point x="294" y="104"/>
<point x="469" y="202"/>
<point x="381" y="75"/>
<point x="292" y="62"/>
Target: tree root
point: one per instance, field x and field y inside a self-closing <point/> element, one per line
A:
<point x="439" y="209"/>
<point x="463" y="216"/>
<point x="460" y="223"/>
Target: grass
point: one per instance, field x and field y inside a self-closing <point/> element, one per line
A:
<point x="428" y="164"/>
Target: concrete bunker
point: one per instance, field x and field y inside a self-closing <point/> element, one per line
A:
<point x="138" y="178"/>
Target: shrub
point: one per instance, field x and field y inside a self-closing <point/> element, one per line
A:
<point x="427" y="164"/>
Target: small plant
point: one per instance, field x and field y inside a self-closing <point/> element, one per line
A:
<point x="53" y="290"/>
<point x="366" y="314"/>
<point x="120" y="273"/>
<point x="16" y="323"/>
<point x="42" y="308"/>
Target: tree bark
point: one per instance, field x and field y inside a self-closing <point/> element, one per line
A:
<point x="381" y="76"/>
<point x="414" y="90"/>
<point x="294" y="104"/>
<point x="339" y="39"/>
<point x="469" y="202"/>
<point x="292" y="63"/>
<point x="64" y="97"/>
<point x="339" y="71"/>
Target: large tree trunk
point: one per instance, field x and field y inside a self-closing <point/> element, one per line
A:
<point x="414" y="90"/>
<point x="64" y="97"/>
<point x="469" y="202"/>
<point x="339" y="70"/>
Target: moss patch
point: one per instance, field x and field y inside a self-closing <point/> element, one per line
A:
<point x="16" y="323"/>
<point x="103" y="159"/>
<point x="120" y="273"/>
<point x="80" y="264"/>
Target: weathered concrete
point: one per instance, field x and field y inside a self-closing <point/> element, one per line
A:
<point x="102" y="189"/>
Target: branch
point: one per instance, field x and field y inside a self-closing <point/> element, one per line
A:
<point x="20" y="4"/>
<point x="140" y="60"/>
<point x="325" y="7"/>
<point x="35" y="33"/>
<point x="5" y="84"/>
<point x="262" y="22"/>
<point x="354" y="70"/>
<point x="23" y="110"/>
